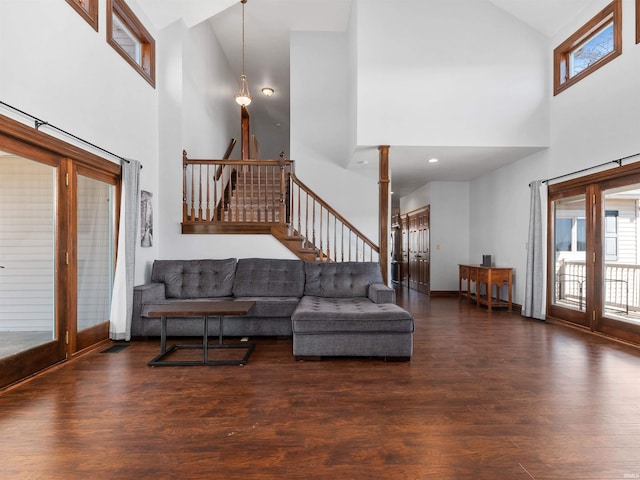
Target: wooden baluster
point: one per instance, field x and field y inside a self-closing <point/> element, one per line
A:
<point x="259" y="206"/>
<point x="244" y="193"/>
<point x="208" y="215"/>
<point x="200" y="192"/>
<point x="342" y="241"/>
<point x="320" y="236"/>
<point x="216" y="200"/>
<point x="282" y="217"/>
<point x="299" y="213"/>
<point x="237" y="209"/>
<point x="306" y="218"/>
<point x="328" y="242"/>
<point x="193" y="200"/>
<point x="313" y="224"/>
<point x="268" y="190"/>
<point x="251" y="194"/>
<point x="184" y="186"/>
<point x="335" y="239"/>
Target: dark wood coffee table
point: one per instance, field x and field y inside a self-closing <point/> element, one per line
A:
<point x="202" y="310"/>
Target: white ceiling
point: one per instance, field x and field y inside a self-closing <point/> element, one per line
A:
<point x="268" y="23"/>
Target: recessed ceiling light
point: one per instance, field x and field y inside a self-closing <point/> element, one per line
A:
<point x="267" y="91"/>
<point x="433" y="160"/>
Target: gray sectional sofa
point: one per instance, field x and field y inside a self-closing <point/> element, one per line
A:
<point x="330" y="309"/>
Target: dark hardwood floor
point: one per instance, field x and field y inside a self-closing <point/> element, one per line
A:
<point x="486" y="396"/>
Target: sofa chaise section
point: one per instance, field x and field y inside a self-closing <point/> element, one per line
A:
<point x="346" y="310"/>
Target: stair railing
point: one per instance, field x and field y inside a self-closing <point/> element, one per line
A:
<point x="234" y="191"/>
<point x="325" y="230"/>
<point x="265" y="196"/>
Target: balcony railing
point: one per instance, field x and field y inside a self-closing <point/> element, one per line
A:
<point x="621" y="286"/>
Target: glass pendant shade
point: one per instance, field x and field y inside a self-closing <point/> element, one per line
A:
<point x="243" y="97"/>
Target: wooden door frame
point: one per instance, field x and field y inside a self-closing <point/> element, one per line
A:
<point x="30" y="143"/>
<point x="592" y="186"/>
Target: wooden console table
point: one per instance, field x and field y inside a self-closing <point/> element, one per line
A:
<point x="490" y="277"/>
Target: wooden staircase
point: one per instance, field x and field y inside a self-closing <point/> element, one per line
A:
<point x="265" y="197"/>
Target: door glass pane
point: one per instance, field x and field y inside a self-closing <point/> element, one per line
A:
<point x="95" y="251"/>
<point x="569" y="253"/>
<point x="27" y="254"/>
<point x="620" y="289"/>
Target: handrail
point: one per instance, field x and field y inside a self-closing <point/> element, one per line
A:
<point x="265" y="196"/>
<point x="327" y="207"/>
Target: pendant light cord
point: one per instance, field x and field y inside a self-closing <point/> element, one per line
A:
<point x="243" y="2"/>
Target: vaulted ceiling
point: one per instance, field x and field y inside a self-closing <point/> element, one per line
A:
<point x="268" y="23"/>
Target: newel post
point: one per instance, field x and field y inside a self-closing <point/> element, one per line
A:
<point x="282" y="163"/>
<point x="184" y="185"/>
<point x="383" y="212"/>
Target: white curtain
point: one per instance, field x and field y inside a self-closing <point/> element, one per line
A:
<point x="535" y="281"/>
<point x="122" y="297"/>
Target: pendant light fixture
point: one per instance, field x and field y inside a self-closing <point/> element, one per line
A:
<point x="243" y="97"/>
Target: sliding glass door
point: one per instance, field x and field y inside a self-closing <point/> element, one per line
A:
<point x="620" y="266"/>
<point x="594" y="266"/>
<point x="57" y="249"/>
<point x="30" y="332"/>
<point x="569" y="249"/>
<point x="95" y="259"/>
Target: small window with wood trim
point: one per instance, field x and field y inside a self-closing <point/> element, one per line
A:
<point x="595" y="44"/>
<point x="127" y="35"/>
<point x="88" y="9"/>
<point x="637" y="21"/>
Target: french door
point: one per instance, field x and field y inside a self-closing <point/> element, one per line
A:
<point x="57" y="237"/>
<point x="594" y="245"/>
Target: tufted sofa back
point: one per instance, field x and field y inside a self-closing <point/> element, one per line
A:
<point x="340" y="279"/>
<point x="195" y="278"/>
<point x="269" y="277"/>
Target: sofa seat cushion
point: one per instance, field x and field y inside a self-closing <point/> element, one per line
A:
<point x="156" y="304"/>
<point x="358" y="314"/>
<point x="200" y="279"/>
<point x="340" y="279"/>
<point x="271" y="306"/>
<point x="269" y="277"/>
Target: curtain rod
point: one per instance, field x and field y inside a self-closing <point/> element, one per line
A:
<point x="39" y="123"/>
<point x="618" y="162"/>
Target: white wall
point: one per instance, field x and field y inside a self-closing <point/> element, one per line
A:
<point x="592" y="122"/>
<point x="197" y="114"/>
<point x="449" y="229"/>
<point x="460" y="72"/>
<point x="320" y="128"/>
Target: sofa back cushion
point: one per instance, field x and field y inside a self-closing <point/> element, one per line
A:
<point x="340" y="279"/>
<point x="269" y="277"/>
<point x="195" y="278"/>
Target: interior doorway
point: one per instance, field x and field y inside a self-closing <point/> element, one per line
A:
<point x="416" y="254"/>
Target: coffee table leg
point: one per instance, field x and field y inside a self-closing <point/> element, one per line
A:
<point x="219" y="329"/>
<point x="205" y="340"/>
<point x="163" y="334"/>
